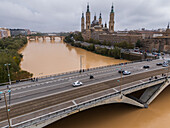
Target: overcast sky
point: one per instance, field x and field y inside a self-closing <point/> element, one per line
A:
<point x="65" y="15"/>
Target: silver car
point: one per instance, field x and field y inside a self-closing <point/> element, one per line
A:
<point x="77" y="83"/>
<point x="165" y="65"/>
<point x="126" y="73"/>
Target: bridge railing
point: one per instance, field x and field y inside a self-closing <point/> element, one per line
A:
<point x="143" y="84"/>
<point x="86" y="104"/>
<point x="72" y="72"/>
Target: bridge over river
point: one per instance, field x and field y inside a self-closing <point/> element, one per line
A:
<point x="40" y="103"/>
<point x="52" y="37"/>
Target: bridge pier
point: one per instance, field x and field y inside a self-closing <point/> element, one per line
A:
<point x="36" y="38"/>
<point x="43" y="38"/>
<point x="151" y="93"/>
<point x="52" y="38"/>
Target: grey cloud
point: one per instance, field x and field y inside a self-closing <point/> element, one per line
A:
<point x="56" y="16"/>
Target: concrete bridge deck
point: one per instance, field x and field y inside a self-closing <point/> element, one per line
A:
<point x="39" y="100"/>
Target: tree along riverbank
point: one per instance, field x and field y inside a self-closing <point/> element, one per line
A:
<point x="10" y="58"/>
<point x="110" y="52"/>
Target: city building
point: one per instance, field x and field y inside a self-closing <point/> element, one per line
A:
<point x="4" y="33"/>
<point x="159" y="43"/>
<point x="22" y="32"/>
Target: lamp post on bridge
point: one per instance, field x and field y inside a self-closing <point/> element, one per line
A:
<point x="8" y="73"/>
<point x="7" y="108"/>
<point x="81" y="64"/>
<point x="9" y="81"/>
<point x="121" y="79"/>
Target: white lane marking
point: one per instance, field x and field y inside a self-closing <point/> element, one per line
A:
<point x="142" y="81"/>
<point x="115" y="89"/>
<point x="74" y="102"/>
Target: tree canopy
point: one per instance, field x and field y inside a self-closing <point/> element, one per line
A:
<point x="9" y="55"/>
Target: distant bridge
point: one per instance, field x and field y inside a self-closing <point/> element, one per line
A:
<point x="52" y="37"/>
<point x="38" y="104"/>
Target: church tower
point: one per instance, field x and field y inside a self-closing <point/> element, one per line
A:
<point x="168" y="26"/>
<point x="111" y="22"/>
<point x="82" y="23"/>
<point x="100" y="19"/>
<point x="88" y="18"/>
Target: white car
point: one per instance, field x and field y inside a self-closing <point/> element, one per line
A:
<point x="126" y="73"/>
<point x="77" y="83"/>
<point x="165" y="65"/>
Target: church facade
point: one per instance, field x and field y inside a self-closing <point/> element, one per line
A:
<point x="93" y="30"/>
<point x="98" y="31"/>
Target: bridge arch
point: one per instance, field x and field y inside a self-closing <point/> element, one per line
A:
<point x="44" y="37"/>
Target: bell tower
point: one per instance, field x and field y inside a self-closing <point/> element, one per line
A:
<point x="82" y="23"/>
<point x="100" y="19"/>
<point x="88" y="18"/>
<point x="111" y="22"/>
<point x="168" y="26"/>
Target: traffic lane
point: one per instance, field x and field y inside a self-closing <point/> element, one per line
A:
<point x="76" y="73"/>
<point x="23" y="96"/>
<point x="97" y="72"/>
<point x="91" y="71"/>
<point x="54" y="88"/>
<point x="41" y="84"/>
<point x="46" y="87"/>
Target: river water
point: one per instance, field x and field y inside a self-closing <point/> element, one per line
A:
<point x="45" y="58"/>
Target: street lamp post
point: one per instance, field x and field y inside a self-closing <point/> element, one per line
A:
<point x="81" y="63"/>
<point x="7" y="109"/>
<point x="121" y="80"/>
<point x="8" y="72"/>
<point x="9" y="81"/>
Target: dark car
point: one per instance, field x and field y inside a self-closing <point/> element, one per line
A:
<point x="159" y="64"/>
<point x="120" y="71"/>
<point x="91" y="77"/>
<point x="148" y="59"/>
<point x="146" y="66"/>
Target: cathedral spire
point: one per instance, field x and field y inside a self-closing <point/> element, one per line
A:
<point x="82" y="14"/>
<point x="95" y="17"/>
<point x="105" y="25"/>
<point x="100" y="19"/>
<point x="100" y="16"/>
<point x="88" y="10"/>
<point x="168" y="26"/>
<point x="111" y="22"/>
<point x="112" y="9"/>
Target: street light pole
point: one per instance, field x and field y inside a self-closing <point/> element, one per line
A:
<point x="7" y="110"/>
<point x="8" y="72"/>
<point x="121" y="81"/>
<point x="9" y="82"/>
<point x="81" y="63"/>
